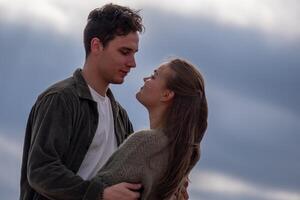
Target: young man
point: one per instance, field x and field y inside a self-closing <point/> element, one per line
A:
<point x="76" y="124"/>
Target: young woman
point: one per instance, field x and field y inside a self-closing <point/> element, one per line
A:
<point x="159" y="158"/>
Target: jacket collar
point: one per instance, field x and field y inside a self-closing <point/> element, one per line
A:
<point x="81" y="86"/>
<point x="83" y="90"/>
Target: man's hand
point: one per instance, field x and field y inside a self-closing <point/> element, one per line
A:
<point x="122" y="191"/>
<point x="181" y="193"/>
<point x="184" y="192"/>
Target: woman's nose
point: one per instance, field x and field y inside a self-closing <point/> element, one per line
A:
<point x="146" y="78"/>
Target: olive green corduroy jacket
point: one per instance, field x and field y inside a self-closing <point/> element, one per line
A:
<point x="60" y="129"/>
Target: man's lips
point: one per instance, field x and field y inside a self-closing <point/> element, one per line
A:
<point x="124" y="72"/>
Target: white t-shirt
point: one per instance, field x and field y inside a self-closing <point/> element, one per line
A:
<point x="104" y="142"/>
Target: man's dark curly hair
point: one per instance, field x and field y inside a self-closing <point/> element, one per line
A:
<point x="110" y="21"/>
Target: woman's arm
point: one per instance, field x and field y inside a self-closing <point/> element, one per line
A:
<point x="133" y="162"/>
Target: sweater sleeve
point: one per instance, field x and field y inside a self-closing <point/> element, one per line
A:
<point x="131" y="163"/>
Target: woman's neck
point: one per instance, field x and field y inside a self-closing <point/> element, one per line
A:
<point x="156" y="117"/>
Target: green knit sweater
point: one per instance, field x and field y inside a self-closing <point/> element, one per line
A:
<point x="142" y="158"/>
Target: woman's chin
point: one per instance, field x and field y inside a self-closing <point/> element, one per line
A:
<point x="137" y="95"/>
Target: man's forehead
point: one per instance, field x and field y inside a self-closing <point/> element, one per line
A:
<point x="126" y="39"/>
<point x="130" y="40"/>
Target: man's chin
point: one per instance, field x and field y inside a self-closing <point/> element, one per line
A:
<point x="120" y="81"/>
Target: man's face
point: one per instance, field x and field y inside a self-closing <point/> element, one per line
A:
<point x="117" y="58"/>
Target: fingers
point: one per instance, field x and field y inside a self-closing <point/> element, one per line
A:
<point x="132" y="190"/>
<point x="186" y="183"/>
<point x="133" y="195"/>
<point x="122" y="191"/>
<point x="173" y="197"/>
<point x="132" y="186"/>
<point x="185" y="194"/>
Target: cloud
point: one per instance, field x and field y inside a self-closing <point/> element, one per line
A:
<point x="10" y="147"/>
<point x="238" y="59"/>
<point x="248" y="132"/>
<point x="274" y="17"/>
<point x="64" y="16"/>
<point x="11" y="154"/>
<point x="269" y="16"/>
<point x="206" y="181"/>
<point x="251" y="138"/>
<point x="232" y="109"/>
<point x="33" y="11"/>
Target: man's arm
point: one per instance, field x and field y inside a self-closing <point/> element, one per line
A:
<point x="51" y="134"/>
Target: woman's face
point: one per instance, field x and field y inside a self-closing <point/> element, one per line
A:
<point x="150" y="95"/>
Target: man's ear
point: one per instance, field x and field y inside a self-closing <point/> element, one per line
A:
<point x="96" y="45"/>
<point x="167" y="95"/>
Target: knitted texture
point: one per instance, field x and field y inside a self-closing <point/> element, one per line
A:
<point x="142" y="158"/>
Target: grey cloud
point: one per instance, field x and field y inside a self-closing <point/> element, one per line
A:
<point x="30" y="61"/>
<point x="264" y="153"/>
<point x="241" y="59"/>
<point x="256" y="142"/>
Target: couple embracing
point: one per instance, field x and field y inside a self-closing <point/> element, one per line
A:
<point x="79" y="141"/>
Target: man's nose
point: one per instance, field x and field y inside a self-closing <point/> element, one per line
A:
<point x="131" y="63"/>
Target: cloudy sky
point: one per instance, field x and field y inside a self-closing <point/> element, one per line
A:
<point x="248" y="51"/>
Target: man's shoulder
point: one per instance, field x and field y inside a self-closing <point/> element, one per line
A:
<point x="63" y="87"/>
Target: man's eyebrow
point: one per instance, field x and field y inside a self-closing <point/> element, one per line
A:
<point x="129" y="49"/>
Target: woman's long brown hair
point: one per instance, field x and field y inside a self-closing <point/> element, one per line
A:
<point x="185" y="124"/>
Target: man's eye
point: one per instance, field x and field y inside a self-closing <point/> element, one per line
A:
<point x="124" y="52"/>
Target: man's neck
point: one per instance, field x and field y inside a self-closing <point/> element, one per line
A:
<point x="93" y="79"/>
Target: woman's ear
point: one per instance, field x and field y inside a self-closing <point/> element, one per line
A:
<point x="167" y="95"/>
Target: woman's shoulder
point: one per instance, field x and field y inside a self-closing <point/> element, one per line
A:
<point x="148" y="136"/>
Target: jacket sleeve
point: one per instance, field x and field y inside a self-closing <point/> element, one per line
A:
<point x="51" y="133"/>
